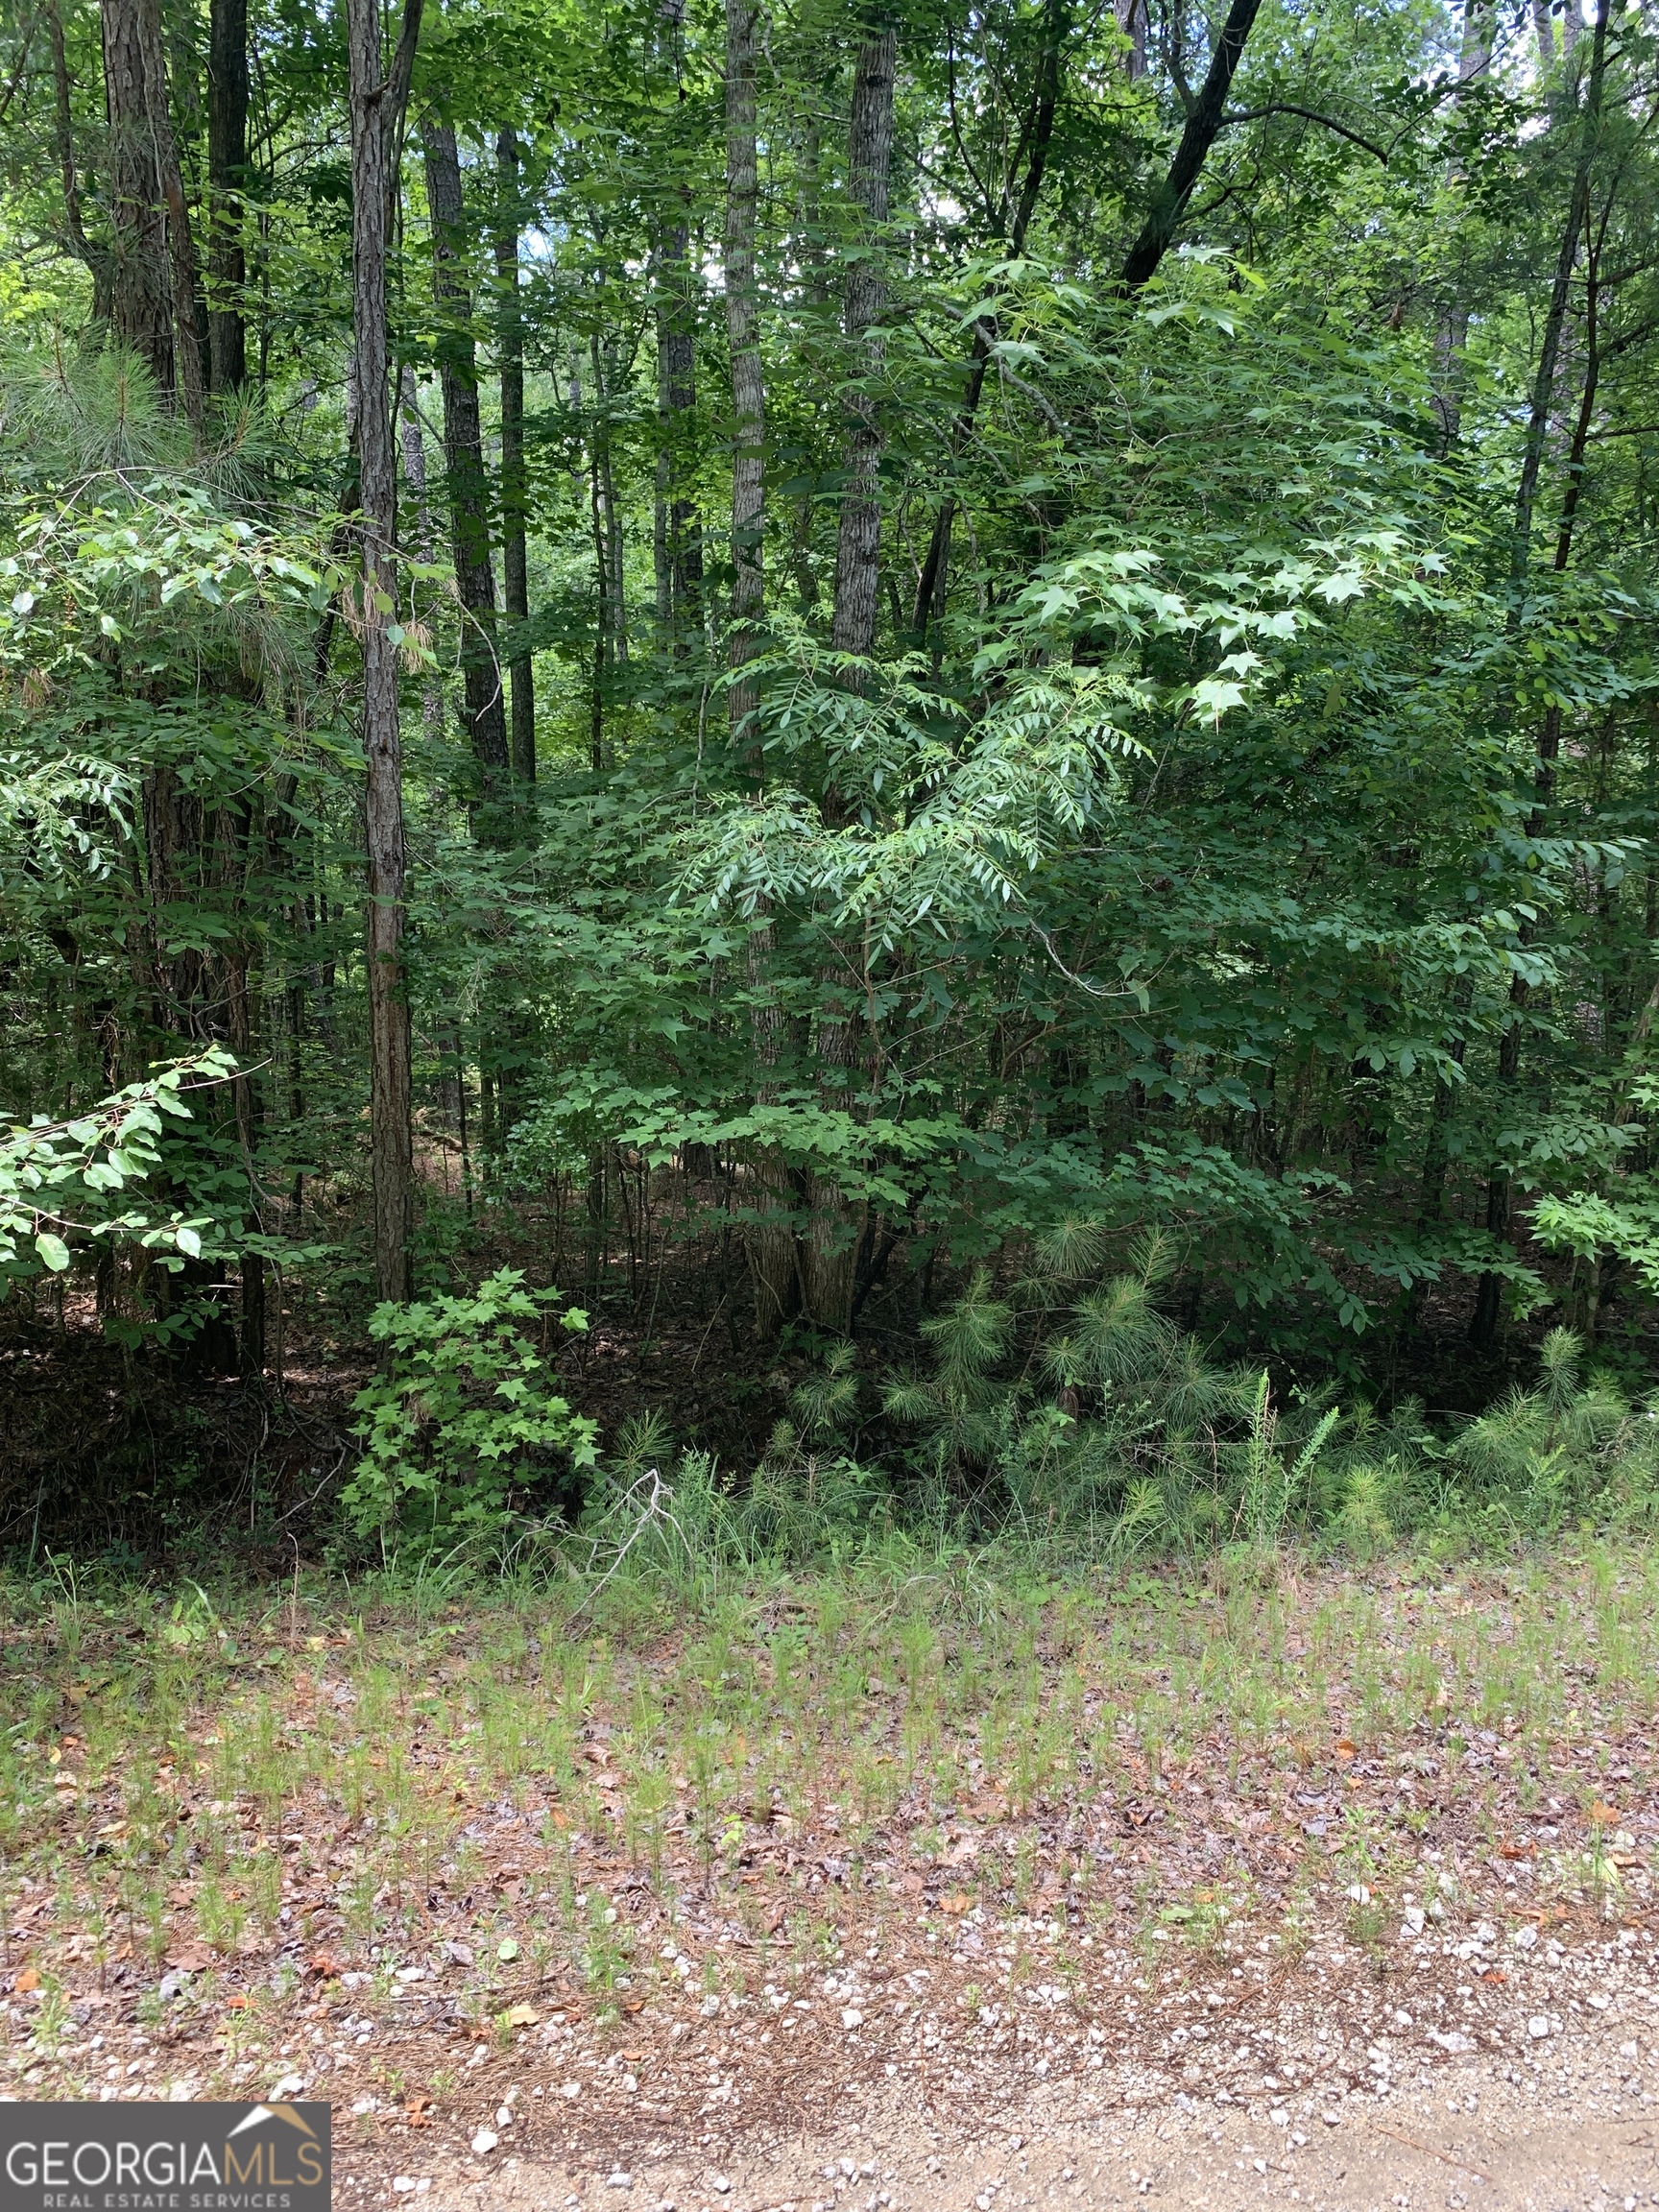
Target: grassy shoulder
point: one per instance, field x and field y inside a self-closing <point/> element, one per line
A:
<point x="946" y="1813"/>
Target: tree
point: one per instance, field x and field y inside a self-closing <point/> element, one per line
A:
<point x="151" y="286"/>
<point x="515" y="556"/>
<point x="466" y="481"/>
<point x="376" y="120"/>
<point x="226" y="169"/>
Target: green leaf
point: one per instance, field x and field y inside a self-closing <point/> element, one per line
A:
<point x="53" y="1252"/>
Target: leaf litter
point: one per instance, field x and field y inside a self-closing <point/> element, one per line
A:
<point x="1267" y="1838"/>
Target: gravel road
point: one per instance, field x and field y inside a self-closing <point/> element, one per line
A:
<point x="1546" y="2110"/>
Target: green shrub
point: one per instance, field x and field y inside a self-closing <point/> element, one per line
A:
<point x="462" y="1414"/>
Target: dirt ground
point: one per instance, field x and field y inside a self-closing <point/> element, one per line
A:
<point x="1479" y="2069"/>
<point x="818" y="1906"/>
<point x="1540" y="2122"/>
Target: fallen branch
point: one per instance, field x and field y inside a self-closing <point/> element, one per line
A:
<point x="655" y="1509"/>
<point x="1429" y="2150"/>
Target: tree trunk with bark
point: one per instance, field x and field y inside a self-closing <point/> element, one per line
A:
<point x="834" y="1228"/>
<point x="414" y="441"/>
<point x="226" y="175"/>
<point x="680" y="559"/>
<point x="483" y="713"/>
<point x="605" y="518"/>
<point x="858" y="540"/>
<point x="515" y="506"/>
<point x="153" y="256"/>
<point x="391" y="1135"/>
<point x="1131" y="16"/>
<point x="748" y="377"/>
<point x="1203" y="126"/>
<point x="679" y="541"/>
<point x="1019" y="205"/>
<point x="771" y="1235"/>
<point x="1489" y="1293"/>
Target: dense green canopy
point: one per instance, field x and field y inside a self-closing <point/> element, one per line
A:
<point x="1009" y="624"/>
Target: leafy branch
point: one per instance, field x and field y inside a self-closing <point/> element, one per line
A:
<point x="53" y="1174"/>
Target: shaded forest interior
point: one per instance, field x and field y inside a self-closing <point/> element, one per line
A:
<point x="918" y="740"/>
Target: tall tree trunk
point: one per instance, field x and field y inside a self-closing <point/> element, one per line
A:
<point x="678" y="538"/>
<point x="829" y="1255"/>
<point x="414" y="441"/>
<point x="680" y="562"/>
<point x="152" y="272"/>
<point x="482" y="714"/>
<point x="226" y="175"/>
<point x="771" y="1236"/>
<point x="605" y="514"/>
<point x="858" y="542"/>
<point x="748" y="378"/>
<point x="1560" y="294"/>
<point x="1203" y="124"/>
<point x="515" y="549"/>
<point x="1543" y="33"/>
<point x="1489" y="1293"/>
<point x="1131" y="17"/>
<point x="1017" y="208"/>
<point x="390" y="1137"/>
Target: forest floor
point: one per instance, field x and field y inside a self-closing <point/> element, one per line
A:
<point x="941" y="1886"/>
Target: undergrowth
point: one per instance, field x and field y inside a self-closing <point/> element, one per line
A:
<point x="1067" y="1419"/>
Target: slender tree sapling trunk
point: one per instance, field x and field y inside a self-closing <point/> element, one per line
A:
<point x="483" y="711"/>
<point x="227" y="174"/>
<point x="833" y="1230"/>
<point x="771" y="1239"/>
<point x="515" y="549"/>
<point x="374" y="129"/>
<point x="1489" y="1293"/>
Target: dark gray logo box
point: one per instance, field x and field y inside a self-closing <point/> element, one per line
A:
<point x="164" y="2159"/>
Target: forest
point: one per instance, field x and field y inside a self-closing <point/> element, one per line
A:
<point x="776" y="774"/>
<point x="828" y="1030"/>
